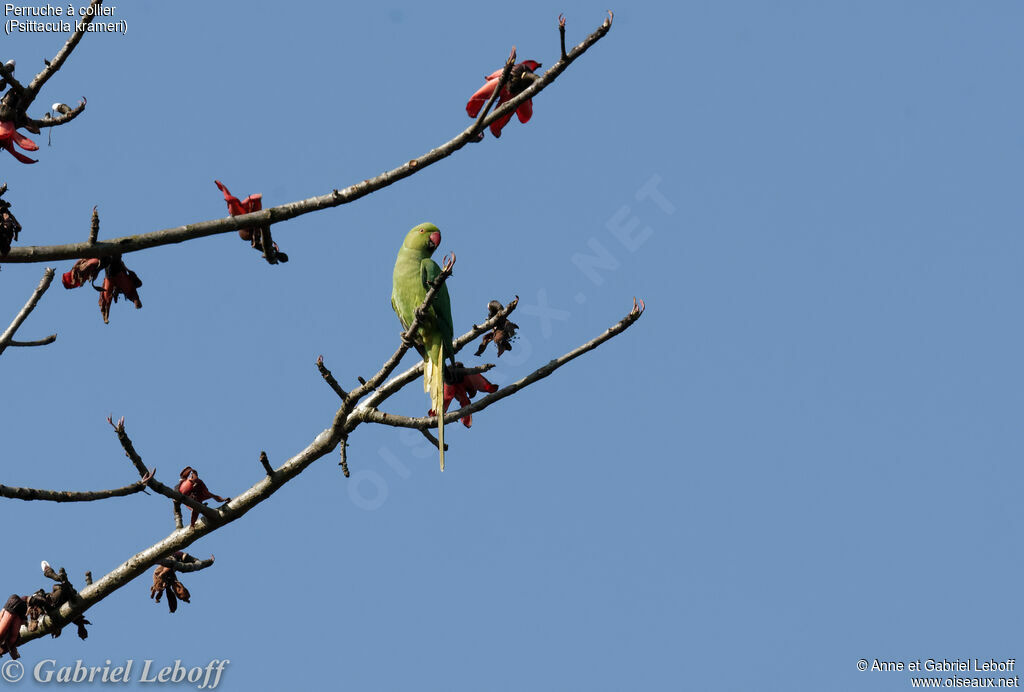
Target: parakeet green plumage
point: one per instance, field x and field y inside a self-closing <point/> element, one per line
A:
<point x="414" y="271"/>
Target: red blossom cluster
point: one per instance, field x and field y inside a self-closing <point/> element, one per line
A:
<point x="520" y="77"/>
<point x="252" y="234"/>
<point x="463" y="390"/>
<point x="119" y="280"/>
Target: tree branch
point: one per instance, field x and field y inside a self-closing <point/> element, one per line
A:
<point x="347" y="416"/>
<point x="54" y="121"/>
<point x="211" y="515"/>
<point x="16" y="102"/>
<point x="283" y="212"/>
<point x="71" y="495"/>
<point x="7" y="337"/>
<point x="81" y="28"/>
<point x="178" y="566"/>
<point x="38" y="342"/>
<point x="329" y="379"/>
<point x="263" y="489"/>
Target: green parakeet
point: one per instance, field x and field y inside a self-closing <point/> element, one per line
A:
<point x="414" y="270"/>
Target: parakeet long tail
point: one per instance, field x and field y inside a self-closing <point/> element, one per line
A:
<point x="433" y="383"/>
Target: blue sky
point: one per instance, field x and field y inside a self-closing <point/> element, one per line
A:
<point x="806" y="452"/>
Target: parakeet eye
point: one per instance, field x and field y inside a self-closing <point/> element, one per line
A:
<point x="423" y="230"/>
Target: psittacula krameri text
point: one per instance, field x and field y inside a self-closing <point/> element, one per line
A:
<point x="414" y="272"/>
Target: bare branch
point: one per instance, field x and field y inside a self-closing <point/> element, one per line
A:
<point x="55" y="120"/>
<point x="283" y="212"/>
<point x="344" y="457"/>
<point x="71" y="495"/>
<point x="129" y="449"/>
<point x="265" y="461"/>
<point x="178" y="540"/>
<point x="457" y="372"/>
<point x="81" y="27"/>
<point x="94" y="226"/>
<point x="8" y="335"/>
<point x="374" y="416"/>
<point x="38" y="342"/>
<point x="433" y="440"/>
<point x="329" y="379"/>
<point x="561" y="34"/>
<point x="194" y="565"/>
<point x="15" y="103"/>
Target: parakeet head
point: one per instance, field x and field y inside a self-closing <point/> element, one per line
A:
<point x="423" y="238"/>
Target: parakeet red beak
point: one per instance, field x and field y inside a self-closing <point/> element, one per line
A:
<point x="435" y="239"/>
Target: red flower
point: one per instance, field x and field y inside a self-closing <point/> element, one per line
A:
<point x="11" y="617"/>
<point x="119" y="280"/>
<point x="464" y="390"/>
<point x="9" y="136"/>
<point x="521" y="77"/>
<point x="248" y="205"/>
<point x="237" y="208"/>
<point x="83" y="270"/>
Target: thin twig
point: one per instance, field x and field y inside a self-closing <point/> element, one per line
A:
<point x="283" y="212"/>
<point x="30" y="305"/>
<point x="129" y="450"/>
<point x="73" y="495"/>
<point x="55" y="120"/>
<point x="266" y="464"/>
<point x="458" y="372"/>
<point x="191" y="566"/>
<point x="38" y="342"/>
<point x="561" y="34"/>
<point x="433" y="440"/>
<point x="94" y="226"/>
<point x="329" y="378"/>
